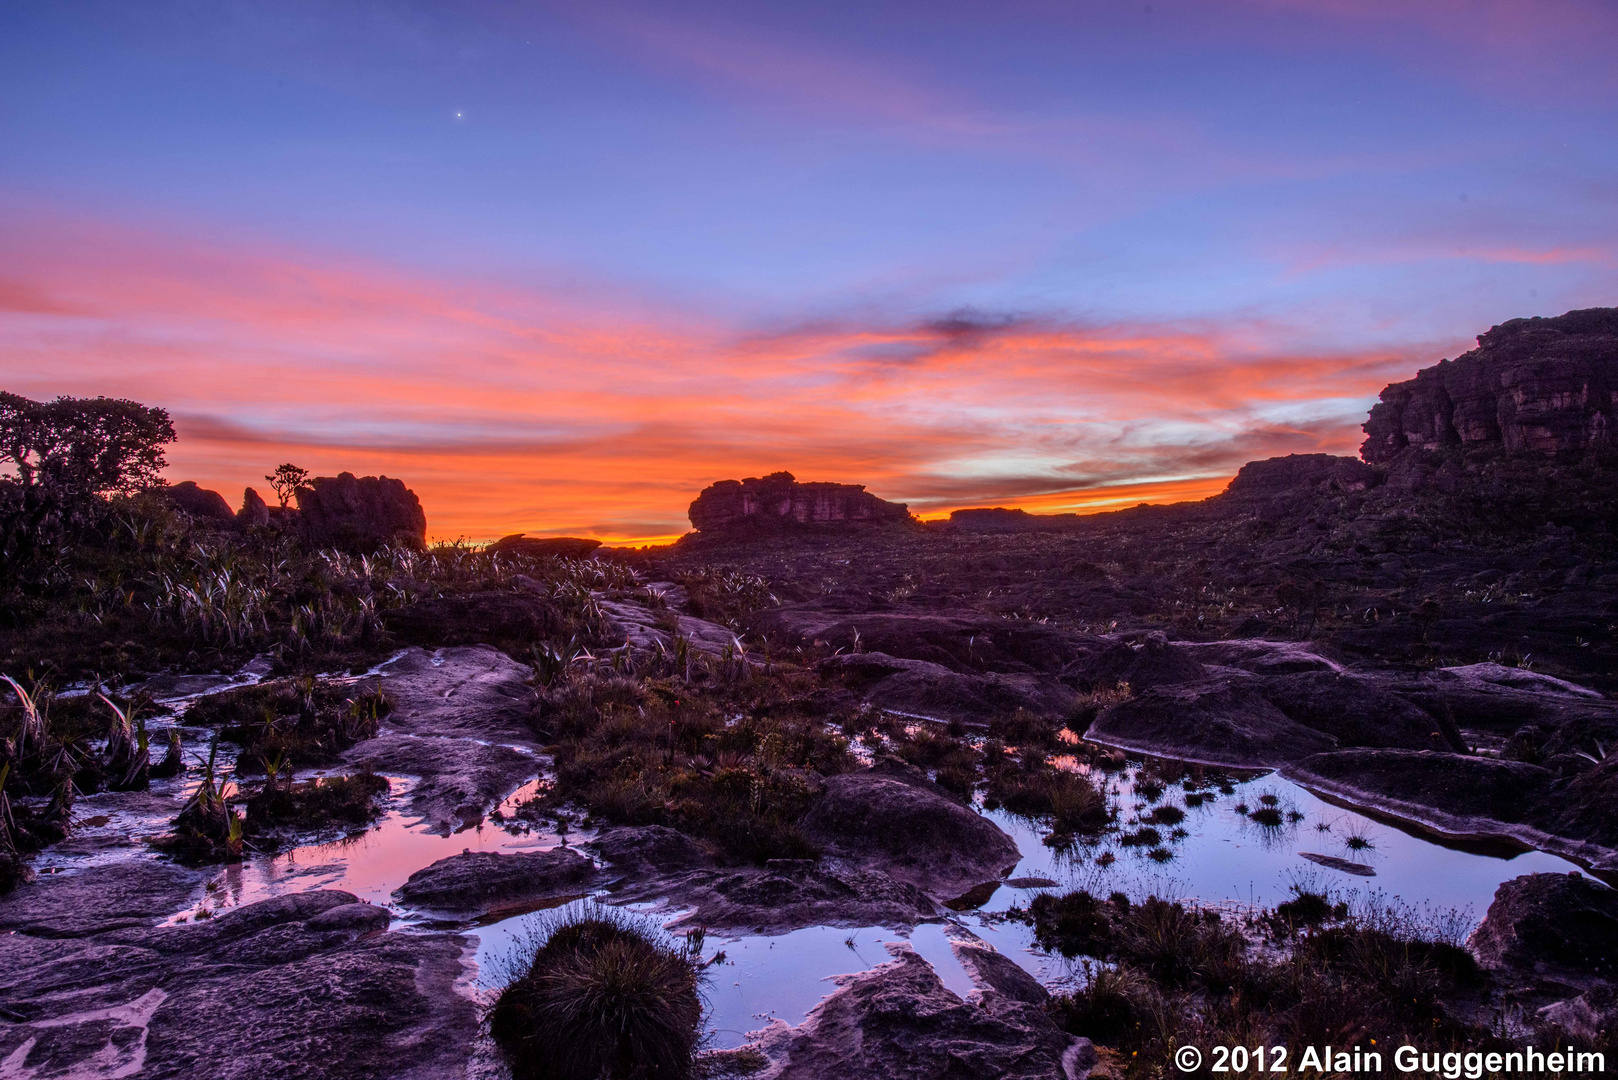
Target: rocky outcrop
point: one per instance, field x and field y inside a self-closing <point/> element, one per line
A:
<point x="1531" y="384"/>
<point x="909" y="831"/>
<point x="360" y="513"/>
<point x="780" y="501"/>
<point x="1553" y="925"/>
<point x="484" y="881"/>
<point x="899" y="1022"/>
<point x="200" y="503"/>
<point x="538" y="547"/>
<point x="254" y="512"/>
<point x="1299" y="473"/>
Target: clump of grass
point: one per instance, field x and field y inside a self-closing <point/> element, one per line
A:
<point x="1145" y="836"/>
<point x="1070" y="800"/>
<point x="1267" y="816"/>
<point x="1160" y="855"/>
<point x="1358" y="840"/>
<point x="1165" y="975"/>
<point x="1165" y="815"/>
<point x="601" y="997"/>
<point x="316" y="804"/>
<point x="306" y="721"/>
<point x="1150" y="788"/>
<point x="736" y="763"/>
<point x="1195" y="799"/>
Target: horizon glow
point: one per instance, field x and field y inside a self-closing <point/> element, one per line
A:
<point x="559" y="267"/>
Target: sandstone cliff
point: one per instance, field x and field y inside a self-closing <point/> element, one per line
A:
<point x="780" y="501"/>
<point x="1549" y="385"/>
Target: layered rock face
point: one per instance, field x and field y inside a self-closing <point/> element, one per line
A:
<point x="361" y="513"/>
<point x="1549" y="385"/>
<point x="779" y="500"/>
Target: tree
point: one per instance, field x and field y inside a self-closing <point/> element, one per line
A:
<point x="63" y="457"/>
<point x="286" y="480"/>
<point x="82" y="447"/>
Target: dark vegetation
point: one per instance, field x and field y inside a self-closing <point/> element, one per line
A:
<point x="602" y="998"/>
<point x="294" y="722"/>
<point x="319" y="803"/>
<point x="1313" y="971"/>
<point x="735" y="762"/>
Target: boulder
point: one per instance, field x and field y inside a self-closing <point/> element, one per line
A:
<point x="140" y="892"/>
<point x="920" y="688"/>
<point x="785" y="895"/>
<point x="909" y="832"/>
<point x="1214" y="722"/>
<point x="200" y="503"/>
<point x="779" y="501"/>
<point x="960" y="640"/>
<point x="1548" y="385"/>
<point x="650" y="849"/>
<point x="254" y="512"/>
<point x="899" y="1022"/>
<point x="537" y="547"/>
<point x="1552" y="925"/>
<point x="360" y="513"/>
<point x="483" y="881"/>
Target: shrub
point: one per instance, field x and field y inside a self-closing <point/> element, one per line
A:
<point x="602" y="998"/>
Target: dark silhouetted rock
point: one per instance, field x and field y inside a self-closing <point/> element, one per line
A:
<point x="360" y="513"/>
<point x="1357" y="712"/>
<point x="1551" y="925"/>
<point x="566" y="547"/>
<point x="201" y="503"/>
<point x="779" y="501"/>
<point x="1531" y="384"/>
<point x="254" y="511"/>
<point x="487" y="880"/>
<point x="910" y="832"/>
<point x="1300" y="473"/>
<point x="1457" y="792"/>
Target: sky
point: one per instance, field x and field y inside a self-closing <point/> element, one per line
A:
<point x="560" y="266"/>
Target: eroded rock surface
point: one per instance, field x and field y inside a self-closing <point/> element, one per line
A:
<point x="309" y="985"/>
<point x="459" y="722"/>
<point x="1214" y="721"/>
<point x="899" y="1022"/>
<point x="914" y="834"/>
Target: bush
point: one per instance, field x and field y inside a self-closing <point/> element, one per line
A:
<point x="602" y="999"/>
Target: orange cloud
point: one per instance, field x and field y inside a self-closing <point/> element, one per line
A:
<point x="549" y="411"/>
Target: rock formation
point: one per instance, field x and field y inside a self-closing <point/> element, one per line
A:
<point x="1531" y="384"/>
<point x="254" y="511"/>
<point x="567" y="547"/>
<point x="779" y="500"/>
<point x="1285" y="476"/>
<point x="360" y="513"/>
<point x="201" y="503"/>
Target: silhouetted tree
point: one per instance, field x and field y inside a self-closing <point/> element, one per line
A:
<point x="286" y="480"/>
<point x="63" y="456"/>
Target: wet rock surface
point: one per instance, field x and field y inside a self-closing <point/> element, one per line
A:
<point x="899" y="1021"/>
<point x="481" y="881"/>
<point x="459" y="722"/>
<point x="784" y="895"/>
<point x="922" y="688"/>
<point x="311" y="985"/>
